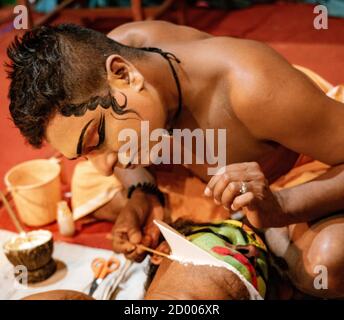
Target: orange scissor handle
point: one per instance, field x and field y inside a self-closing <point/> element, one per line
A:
<point x="101" y="267"/>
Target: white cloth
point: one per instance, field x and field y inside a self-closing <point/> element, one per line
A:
<point x="91" y="190"/>
<point x="73" y="273"/>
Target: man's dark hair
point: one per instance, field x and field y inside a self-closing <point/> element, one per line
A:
<point x="59" y="69"/>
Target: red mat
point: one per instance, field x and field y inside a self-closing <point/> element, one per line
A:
<point x="286" y="27"/>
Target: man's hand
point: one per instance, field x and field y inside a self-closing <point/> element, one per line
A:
<point x="134" y="225"/>
<point x="261" y="206"/>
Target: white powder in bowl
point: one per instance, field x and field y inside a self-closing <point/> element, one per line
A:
<point x="28" y="240"/>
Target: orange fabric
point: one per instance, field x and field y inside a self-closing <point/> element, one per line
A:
<point x="300" y="174"/>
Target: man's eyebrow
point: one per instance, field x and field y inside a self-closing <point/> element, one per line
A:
<point x="81" y="138"/>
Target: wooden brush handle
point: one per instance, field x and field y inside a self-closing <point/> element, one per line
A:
<point x="141" y="246"/>
<point x="159" y="253"/>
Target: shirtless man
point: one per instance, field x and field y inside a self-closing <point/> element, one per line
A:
<point x="69" y="82"/>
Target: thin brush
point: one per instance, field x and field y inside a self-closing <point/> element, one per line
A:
<point x="141" y="246"/>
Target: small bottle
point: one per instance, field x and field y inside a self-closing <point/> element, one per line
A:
<point x="65" y="219"/>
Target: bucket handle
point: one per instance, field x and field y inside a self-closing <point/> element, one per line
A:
<point x="11" y="189"/>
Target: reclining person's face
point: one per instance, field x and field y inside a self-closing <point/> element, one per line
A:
<point x="101" y="130"/>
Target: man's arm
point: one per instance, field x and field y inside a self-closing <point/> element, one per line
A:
<point x="283" y="105"/>
<point x="315" y="199"/>
<point x="129" y="177"/>
<point x="134" y="224"/>
<point x="279" y="103"/>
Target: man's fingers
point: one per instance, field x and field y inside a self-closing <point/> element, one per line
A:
<point x="246" y="171"/>
<point x="154" y="233"/>
<point x="128" y="223"/>
<point x="126" y="233"/>
<point x="232" y="168"/>
<point x="120" y="228"/>
<point x="135" y="256"/>
<point x="208" y="191"/>
<point x="228" y="195"/>
<point x="146" y="241"/>
<point x="151" y="231"/>
<point x="121" y="244"/>
<point x="162" y="247"/>
<point x="242" y="201"/>
<point x="219" y="187"/>
<point x="134" y="235"/>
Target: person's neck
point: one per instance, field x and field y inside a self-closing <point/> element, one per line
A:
<point x="159" y="74"/>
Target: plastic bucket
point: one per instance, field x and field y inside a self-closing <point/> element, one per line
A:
<point x="36" y="189"/>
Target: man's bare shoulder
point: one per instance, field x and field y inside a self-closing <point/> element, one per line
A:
<point x="242" y="51"/>
<point x="240" y="60"/>
<point x="276" y="102"/>
<point x="144" y="33"/>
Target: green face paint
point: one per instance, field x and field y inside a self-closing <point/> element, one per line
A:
<point x="236" y="244"/>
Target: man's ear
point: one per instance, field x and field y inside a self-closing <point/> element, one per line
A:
<point x="121" y="73"/>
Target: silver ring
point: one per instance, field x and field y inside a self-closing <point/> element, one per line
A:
<point x="243" y="187"/>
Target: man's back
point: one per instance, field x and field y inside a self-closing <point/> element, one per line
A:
<point x="147" y="33"/>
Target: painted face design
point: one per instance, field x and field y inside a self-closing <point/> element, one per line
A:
<point x="98" y="128"/>
<point x="79" y="110"/>
<point x="92" y="129"/>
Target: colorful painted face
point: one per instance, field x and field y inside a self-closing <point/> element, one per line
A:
<point x="236" y="244"/>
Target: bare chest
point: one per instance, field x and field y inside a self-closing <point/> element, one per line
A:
<point x="213" y="137"/>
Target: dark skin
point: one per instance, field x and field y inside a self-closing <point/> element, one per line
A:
<point x="272" y="113"/>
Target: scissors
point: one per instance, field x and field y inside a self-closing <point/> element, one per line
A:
<point x="101" y="268"/>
